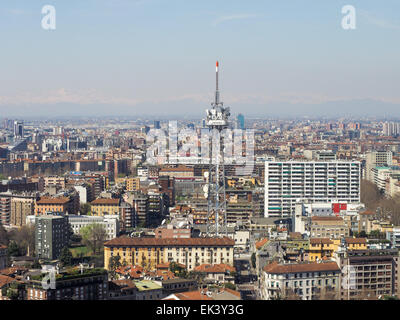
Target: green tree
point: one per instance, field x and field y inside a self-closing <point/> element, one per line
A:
<point x="178" y="270"/>
<point x="253" y="260"/>
<point x="65" y="257"/>
<point x="113" y="264"/>
<point x="25" y="239"/>
<point x="13" y="249"/>
<point x="85" y="208"/>
<point x="93" y="236"/>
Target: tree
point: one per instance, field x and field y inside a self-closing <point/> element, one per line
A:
<point x="253" y="260"/>
<point x="178" y="270"/>
<point x="85" y="208"/>
<point x="65" y="257"/>
<point x="13" y="249"/>
<point x="94" y="236"/>
<point x="25" y="239"/>
<point x="113" y="264"/>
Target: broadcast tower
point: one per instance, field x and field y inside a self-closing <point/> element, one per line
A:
<point x="217" y="121"/>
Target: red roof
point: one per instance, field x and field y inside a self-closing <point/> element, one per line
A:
<point x="214" y="268"/>
<point x="301" y="267"/>
<point x="105" y="201"/>
<point x="159" y="242"/>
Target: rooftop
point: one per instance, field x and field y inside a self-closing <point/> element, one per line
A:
<point x="301" y="267"/>
<point x="126" y="241"/>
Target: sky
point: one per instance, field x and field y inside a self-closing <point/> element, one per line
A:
<point x="157" y="57"/>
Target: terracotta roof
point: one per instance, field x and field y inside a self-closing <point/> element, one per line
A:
<point x="326" y="218"/>
<point x="126" y="241"/>
<point x="105" y="201"/>
<point x="178" y="169"/>
<point x="320" y="241"/>
<point x="2" y="246"/>
<point x="167" y="264"/>
<point x="367" y="212"/>
<point x="214" y="268"/>
<point x="301" y="267"/>
<point x="260" y="243"/>
<point x="5" y="280"/>
<point x="50" y="200"/>
<point x="356" y="240"/>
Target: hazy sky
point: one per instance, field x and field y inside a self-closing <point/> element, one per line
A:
<point x="158" y="56"/>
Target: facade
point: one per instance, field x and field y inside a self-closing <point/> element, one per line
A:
<point x="51" y="236"/>
<point x="170" y="231"/>
<point x="149" y="252"/>
<point x="128" y="216"/>
<point x="21" y="207"/>
<point x="217" y="273"/>
<point x="372" y="273"/>
<point x="293" y="181"/>
<point x="329" y="227"/>
<point x="51" y="205"/>
<point x="5" y="210"/>
<point x="132" y="184"/>
<point x="376" y="159"/>
<point x="109" y="222"/>
<point x="101" y="207"/>
<point x="309" y="281"/>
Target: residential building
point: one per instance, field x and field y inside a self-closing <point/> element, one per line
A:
<point x="316" y="181"/>
<point x="110" y="223"/>
<point x="371" y="273"/>
<point x="85" y="284"/>
<point x="101" y="207"/>
<point x="217" y="273"/>
<point x="329" y="227"/>
<point x="51" y="236"/>
<point x="149" y="252"/>
<point x="51" y="205"/>
<point x="376" y="159"/>
<point x="308" y="281"/>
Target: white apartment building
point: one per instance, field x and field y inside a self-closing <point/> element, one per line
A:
<point x="109" y="222"/>
<point x="307" y="280"/>
<point x="376" y="159"/>
<point x="315" y="181"/>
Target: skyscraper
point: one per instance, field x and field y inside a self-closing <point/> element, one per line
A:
<point x="240" y="121"/>
<point x="18" y="129"/>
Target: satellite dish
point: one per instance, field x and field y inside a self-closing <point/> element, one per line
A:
<point x="205" y="195"/>
<point x="163" y="222"/>
<point x="205" y="188"/>
<point x="206" y="174"/>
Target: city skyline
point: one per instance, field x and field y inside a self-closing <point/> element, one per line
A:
<point x="277" y="59"/>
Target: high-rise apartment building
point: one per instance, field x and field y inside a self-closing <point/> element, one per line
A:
<point x="376" y="159"/>
<point x="289" y="182"/>
<point x="51" y="236"/>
